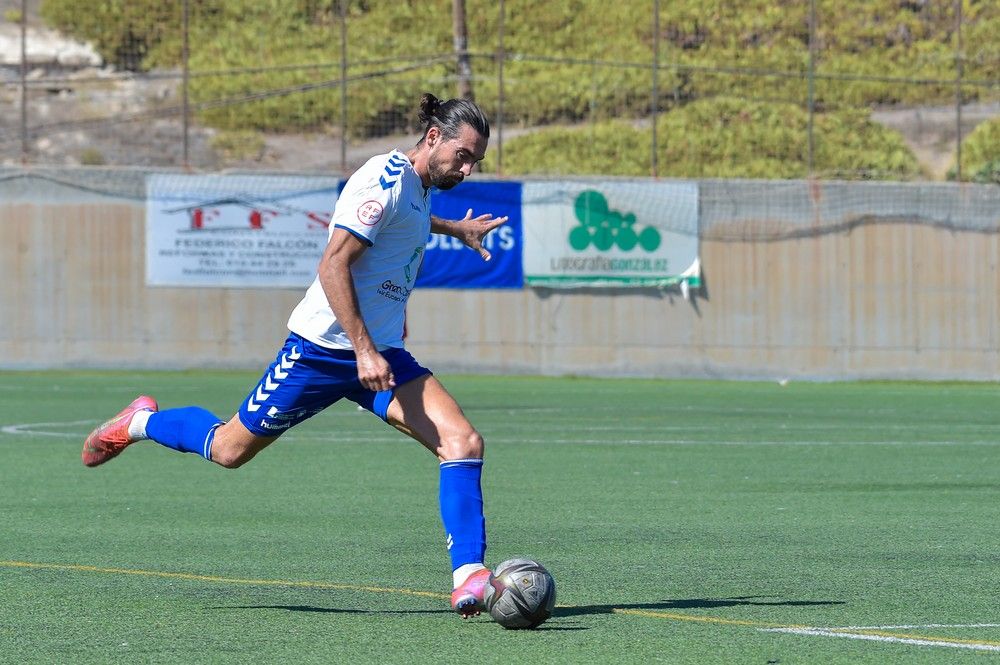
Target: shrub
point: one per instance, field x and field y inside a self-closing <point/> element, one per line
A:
<point x="92" y="157"/>
<point x="238" y="145"/>
<point x="981" y="154"/>
<point x="701" y="46"/>
<point x="718" y="138"/>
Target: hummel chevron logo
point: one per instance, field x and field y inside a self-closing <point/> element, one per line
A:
<point x="394" y="168"/>
<point x="280" y="372"/>
<point x="287" y="362"/>
<point x="281" y="369"/>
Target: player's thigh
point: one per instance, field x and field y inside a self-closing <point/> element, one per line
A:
<point x="303" y="380"/>
<point x="426" y="411"/>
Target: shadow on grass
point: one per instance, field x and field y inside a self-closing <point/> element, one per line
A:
<point x="574" y="610"/>
<point x="689" y="604"/>
<point x="330" y="610"/>
<point x="337" y="610"/>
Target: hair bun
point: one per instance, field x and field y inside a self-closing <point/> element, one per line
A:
<point x="429" y="105"/>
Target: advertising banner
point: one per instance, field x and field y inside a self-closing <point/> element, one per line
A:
<point x="450" y="264"/>
<point x="236" y="231"/>
<point x="586" y="234"/>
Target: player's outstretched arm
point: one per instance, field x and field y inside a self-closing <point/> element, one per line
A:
<point x="470" y="230"/>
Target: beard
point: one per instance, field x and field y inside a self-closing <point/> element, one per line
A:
<point x="443" y="178"/>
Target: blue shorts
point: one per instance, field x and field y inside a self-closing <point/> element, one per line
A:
<point x="306" y="378"/>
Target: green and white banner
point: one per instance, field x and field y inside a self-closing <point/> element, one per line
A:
<point x="580" y="234"/>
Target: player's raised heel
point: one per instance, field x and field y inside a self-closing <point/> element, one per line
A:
<point x="112" y="437"/>
<point x="468" y="599"/>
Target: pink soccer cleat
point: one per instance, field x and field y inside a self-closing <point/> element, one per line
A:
<point x="469" y="598"/>
<point x="112" y="437"/>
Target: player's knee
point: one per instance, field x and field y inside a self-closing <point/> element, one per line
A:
<point x="464" y="445"/>
<point x="230" y="457"/>
<point x="228" y="460"/>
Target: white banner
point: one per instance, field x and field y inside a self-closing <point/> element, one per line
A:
<point x="611" y="234"/>
<point x="236" y="231"/>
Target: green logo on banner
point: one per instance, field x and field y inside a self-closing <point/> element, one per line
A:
<point x="607" y="228"/>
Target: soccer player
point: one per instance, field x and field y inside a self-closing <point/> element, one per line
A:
<point x="346" y="339"/>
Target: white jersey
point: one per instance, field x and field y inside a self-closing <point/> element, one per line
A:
<point x="386" y="206"/>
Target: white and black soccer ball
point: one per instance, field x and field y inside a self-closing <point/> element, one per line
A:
<point x="522" y="595"/>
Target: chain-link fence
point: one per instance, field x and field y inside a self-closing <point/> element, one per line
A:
<point x="688" y="89"/>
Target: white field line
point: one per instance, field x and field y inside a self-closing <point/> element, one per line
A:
<point x="797" y="629"/>
<point x="919" y="626"/>
<point x="561" y="427"/>
<point x="922" y="641"/>
<point x="25" y="428"/>
<point x="700" y="442"/>
<point x="807" y="427"/>
<point x="38" y="429"/>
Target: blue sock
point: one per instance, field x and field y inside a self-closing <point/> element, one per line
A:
<point x="190" y="429"/>
<point x="461" y="498"/>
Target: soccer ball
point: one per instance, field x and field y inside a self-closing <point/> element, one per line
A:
<point x="522" y="594"/>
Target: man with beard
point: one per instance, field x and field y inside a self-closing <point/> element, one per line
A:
<point x="346" y="339"/>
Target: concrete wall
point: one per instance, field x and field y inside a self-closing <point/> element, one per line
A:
<point x="839" y="281"/>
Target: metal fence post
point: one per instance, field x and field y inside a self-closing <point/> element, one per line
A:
<point x="958" y="91"/>
<point x="185" y="54"/>
<point x="24" y="81"/>
<point x="812" y="84"/>
<point x="501" y="56"/>
<point x="655" y="102"/>
<point x="343" y="87"/>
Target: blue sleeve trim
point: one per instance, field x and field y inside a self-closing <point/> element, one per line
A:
<point x="355" y="234"/>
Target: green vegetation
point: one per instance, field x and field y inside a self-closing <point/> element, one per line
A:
<point x="128" y="34"/>
<point x="91" y="156"/>
<point x="719" y="138"/>
<point x="270" y="65"/>
<point x="238" y="144"/>
<point x="981" y="154"/>
<point x="683" y="521"/>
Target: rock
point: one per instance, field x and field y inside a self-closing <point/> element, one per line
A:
<point x="44" y="48"/>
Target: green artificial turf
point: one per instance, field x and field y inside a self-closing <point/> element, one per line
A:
<point x="683" y="521"/>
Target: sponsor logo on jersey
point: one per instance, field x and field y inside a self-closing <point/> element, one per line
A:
<point x="410" y="274"/>
<point x="394" y="291"/>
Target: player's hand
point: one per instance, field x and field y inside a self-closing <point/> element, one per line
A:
<point x="471" y="231"/>
<point x="374" y="372"/>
